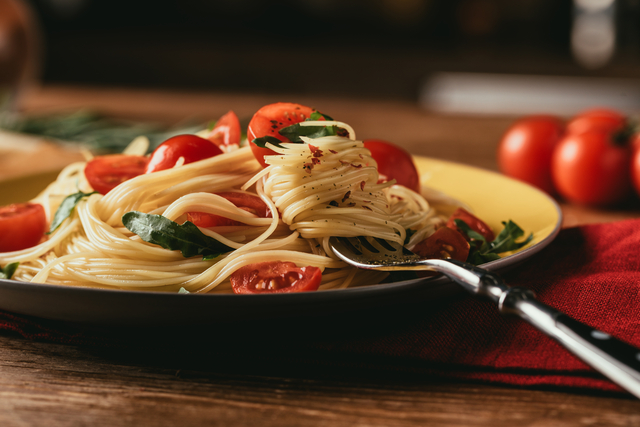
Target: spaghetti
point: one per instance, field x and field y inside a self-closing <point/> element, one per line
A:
<point x="324" y="187"/>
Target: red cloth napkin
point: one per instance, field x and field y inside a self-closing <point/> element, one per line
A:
<point x="591" y="273"/>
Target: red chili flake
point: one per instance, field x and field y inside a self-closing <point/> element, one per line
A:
<point x="317" y="152"/>
<point x="352" y="204"/>
<point x="315" y="160"/>
<point x="356" y="166"/>
<point x="362" y="183"/>
<point x="333" y="151"/>
<point x="366" y="201"/>
<point x="346" y="196"/>
<point x="367" y="207"/>
<point x="344" y="162"/>
<point x="361" y="156"/>
<point x="308" y="167"/>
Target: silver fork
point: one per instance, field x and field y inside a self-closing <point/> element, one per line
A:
<point x="618" y="361"/>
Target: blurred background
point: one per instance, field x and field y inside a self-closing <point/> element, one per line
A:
<point x="452" y="55"/>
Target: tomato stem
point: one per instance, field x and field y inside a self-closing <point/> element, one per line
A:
<point x="623" y="136"/>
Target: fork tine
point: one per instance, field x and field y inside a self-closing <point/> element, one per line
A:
<point x="367" y="252"/>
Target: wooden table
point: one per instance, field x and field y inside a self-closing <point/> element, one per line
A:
<point x="64" y="385"/>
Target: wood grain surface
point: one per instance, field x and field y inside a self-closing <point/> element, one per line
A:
<point x="62" y="385"/>
<point x="167" y="385"/>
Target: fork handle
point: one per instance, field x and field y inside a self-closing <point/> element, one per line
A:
<point x="617" y="360"/>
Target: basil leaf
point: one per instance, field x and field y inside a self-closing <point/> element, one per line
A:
<point x="8" y="270"/>
<point x="317" y="115"/>
<point x="66" y="208"/>
<point x="295" y="131"/>
<point x="262" y="141"/>
<point x="186" y="238"/>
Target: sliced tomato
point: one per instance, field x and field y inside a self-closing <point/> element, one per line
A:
<point x="190" y="147"/>
<point x="268" y="120"/>
<point x="394" y="163"/>
<point x="226" y="132"/>
<point x="247" y="202"/>
<point x="22" y="226"/>
<point x="445" y="243"/>
<point x="275" y="277"/>
<point x="105" y="172"/>
<point x="475" y="223"/>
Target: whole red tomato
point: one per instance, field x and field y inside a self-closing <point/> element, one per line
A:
<point x="592" y="168"/>
<point x="526" y="148"/>
<point x="597" y="118"/>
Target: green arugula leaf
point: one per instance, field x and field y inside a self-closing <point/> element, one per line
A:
<point x="8" y="270"/>
<point x="506" y="240"/>
<point x="483" y="251"/>
<point x="66" y="208"/>
<point x="476" y="257"/>
<point x="471" y="234"/>
<point x="187" y="238"/>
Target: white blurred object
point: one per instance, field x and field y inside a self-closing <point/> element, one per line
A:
<point x="525" y="94"/>
<point x="19" y="51"/>
<point x="593" y="33"/>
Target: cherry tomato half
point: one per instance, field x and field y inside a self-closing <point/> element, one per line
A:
<point x="22" y="226"/>
<point x="275" y="277"/>
<point x="443" y="244"/>
<point x="475" y="223"/>
<point x="526" y="148"/>
<point x="394" y="163"/>
<point x="105" y="172"/>
<point x="226" y="132"/>
<point x="597" y="118"/>
<point x="589" y="168"/>
<point x="268" y="120"/>
<point x="190" y="147"/>
<point x="244" y="201"/>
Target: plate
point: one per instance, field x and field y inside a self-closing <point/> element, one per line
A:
<point x="493" y="197"/>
